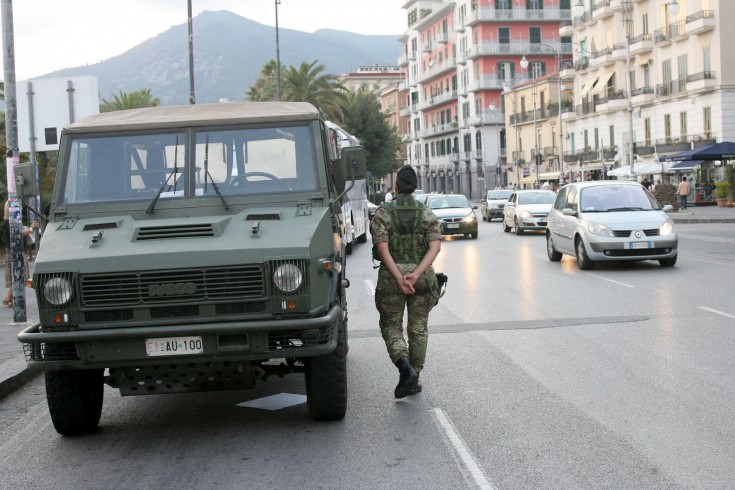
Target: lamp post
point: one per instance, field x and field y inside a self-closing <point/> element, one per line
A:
<point x="497" y="163"/>
<point x="278" y="56"/>
<point x="506" y="91"/>
<point x="536" y="154"/>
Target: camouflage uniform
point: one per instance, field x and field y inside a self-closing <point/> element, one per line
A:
<point x="391" y="301"/>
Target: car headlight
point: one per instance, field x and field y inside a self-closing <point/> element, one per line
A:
<point x="525" y="214"/>
<point x="667" y="228"/>
<point x="288" y="278"/>
<point x="57" y="291"/>
<point x="470" y="218"/>
<point x="598" y="229"/>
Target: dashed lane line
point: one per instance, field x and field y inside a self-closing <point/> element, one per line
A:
<point x="711" y="310"/>
<point x="613" y="281"/>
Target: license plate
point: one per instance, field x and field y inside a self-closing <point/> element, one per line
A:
<point x="639" y="245"/>
<point x="174" y="346"/>
<point x="453" y="225"/>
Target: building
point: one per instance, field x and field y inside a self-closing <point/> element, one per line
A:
<point x="680" y="94"/>
<point x="373" y="78"/>
<point x="458" y="57"/>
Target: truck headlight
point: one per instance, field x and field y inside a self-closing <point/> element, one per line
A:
<point x="57" y="291"/>
<point x="288" y="278"/>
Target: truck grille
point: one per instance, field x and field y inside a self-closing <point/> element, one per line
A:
<point x="181" y="285"/>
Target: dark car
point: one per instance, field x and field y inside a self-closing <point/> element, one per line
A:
<point x="456" y="214"/>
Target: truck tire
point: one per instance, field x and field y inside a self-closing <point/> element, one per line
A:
<point x="75" y="400"/>
<point x="326" y="381"/>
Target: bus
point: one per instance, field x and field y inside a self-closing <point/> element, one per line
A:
<point x="354" y="207"/>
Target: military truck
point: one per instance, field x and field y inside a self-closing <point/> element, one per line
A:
<point x="193" y="248"/>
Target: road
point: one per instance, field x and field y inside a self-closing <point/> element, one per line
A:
<point x="538" y="376"/>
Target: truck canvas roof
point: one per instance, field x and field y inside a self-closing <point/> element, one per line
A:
<point x="194" y="115"/>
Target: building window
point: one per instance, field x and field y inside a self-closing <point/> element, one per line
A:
<point x="707" y="120"/>
<point x="683" y="126"/>
<point x="611" y="136"/>
<point x="647" y="131"/>
<point x="667" y="127"/>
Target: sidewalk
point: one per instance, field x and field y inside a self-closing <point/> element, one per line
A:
<point x="13" y="372"/>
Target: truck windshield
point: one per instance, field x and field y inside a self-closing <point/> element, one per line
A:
<point x="239" y="162"/>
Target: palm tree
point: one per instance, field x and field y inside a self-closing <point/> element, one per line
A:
<point x="265" y="86"/>
<point x="132" y="100"/>
<point x="307" y="84"/>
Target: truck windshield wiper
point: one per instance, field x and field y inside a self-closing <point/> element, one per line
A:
<point x="152" y="205"/>
<point x="208" y="175"/>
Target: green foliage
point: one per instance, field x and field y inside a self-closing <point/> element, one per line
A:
<point x="130" y="100"/>
<point x="730" y="178"/>
<point x="365" y="120"/>
<point x="266" y="85"/>
<point x="722" y="189"/>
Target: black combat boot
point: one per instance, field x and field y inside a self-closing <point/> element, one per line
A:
<point x="408" y="381"/>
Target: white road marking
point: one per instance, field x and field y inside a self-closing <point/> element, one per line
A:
<point x="464" y="454"/>
<point x="716" y="311"/>
<point x="614" y="282"/>
<point x="370" y="287"/>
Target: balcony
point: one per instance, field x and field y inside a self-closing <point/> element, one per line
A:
<point x="427" y="47"/>
<point x="437" y="69"/>
<point x="700" y="22"/>
<point x="405" y="111"/>
<point x="671" y="87"/>
<point x="674" y="31"/>
<point x="602" y="10"/>
<point x="444" y="37"/>
<point x="487" y="82"/>
<point x="640" y="44"/>
<point x="672" y="146"/>
<point x="642" y="95"/>
<point x="603" y="57"/>
<point x="439" y="99"/>
<point x="566" y="29"/>
<point x="402" y="60"/>
<point x="703" y="80"/>
<point x="617" y="5"/>
<point x="518" y="47"/>
<point x="519" y="13"/>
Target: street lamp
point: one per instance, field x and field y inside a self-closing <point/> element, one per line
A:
<point x="497" y="163"/>
<point x="506" y="91"/>
<point x="278" y="56"/>
<point x="536" y="154"/>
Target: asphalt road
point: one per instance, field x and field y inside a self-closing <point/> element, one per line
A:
<point x="538" y="376"/>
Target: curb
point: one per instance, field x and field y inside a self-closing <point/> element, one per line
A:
<point x="14" y="374"/>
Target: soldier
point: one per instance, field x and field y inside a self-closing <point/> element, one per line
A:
<point x="407" y="238"/>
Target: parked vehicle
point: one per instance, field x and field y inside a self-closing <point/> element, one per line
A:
<point x="355" y="203"/>
<point x="455" y="212"/>
<point x="526" y="210"/>
<point x="493" y="204"/>
<point x="193" y="248"/>
<point x="610" y="221"/>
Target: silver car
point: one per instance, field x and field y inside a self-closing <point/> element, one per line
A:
<point x="493" y="204"/>
<point x="610" y="220"/>
<point x="527" y="210"/>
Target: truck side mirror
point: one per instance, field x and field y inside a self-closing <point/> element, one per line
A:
<point x="25" y="180"/>
<point x="353" y="163"/>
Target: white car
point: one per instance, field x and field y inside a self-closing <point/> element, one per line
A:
<point x="610" y="220"/>
<point x="527" y="210"/>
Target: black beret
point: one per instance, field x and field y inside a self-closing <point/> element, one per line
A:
<point x="408" y="175"/>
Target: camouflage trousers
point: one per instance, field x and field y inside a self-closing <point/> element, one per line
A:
<point x="391" y="303"/>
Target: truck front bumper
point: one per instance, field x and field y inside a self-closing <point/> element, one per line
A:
<point x="226" y="341"/>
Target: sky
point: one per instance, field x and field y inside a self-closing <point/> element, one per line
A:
<point x="54" y="34"/>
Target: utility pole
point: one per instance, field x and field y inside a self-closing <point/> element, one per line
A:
<point x="15" y="208"/>
<point x="278" y="57"/>
<point x="192" y="97"/>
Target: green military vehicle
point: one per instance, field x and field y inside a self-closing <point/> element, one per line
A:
<point x="193" y="248"/>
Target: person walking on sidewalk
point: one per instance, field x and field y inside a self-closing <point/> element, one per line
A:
<point x="407" y="237"/>
<point x="683" y="192"/>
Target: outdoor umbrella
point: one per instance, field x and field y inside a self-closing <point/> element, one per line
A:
<point x="715" y="151"/>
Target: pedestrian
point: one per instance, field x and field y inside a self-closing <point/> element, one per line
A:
<point x="646" y="183"/>
<point x="389" y="195"/>
<point x="554" y="187"/>
<point x="683" y="191"/>
<point x="407" y="238"/>
<point x="546" y="186"/>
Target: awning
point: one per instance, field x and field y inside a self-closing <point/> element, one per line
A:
<point x="684" y="166"/>
<point x="587" y="88"/>
<point x="620" y="172"/>
<point x="549" y="175"/>
<point x="602" y="84"/>
<point x="647" y="168"/>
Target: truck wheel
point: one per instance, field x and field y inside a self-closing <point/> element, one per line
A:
<point x="75" y="400"/>
<point x="326" y="381"/>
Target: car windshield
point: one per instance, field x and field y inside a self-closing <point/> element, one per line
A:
<point x="444" y="202"/>
<point x="498" y="195"/>
<point x="540" y="197"/>
<point x="233" y="162"/>
<point x="606" y="198"/>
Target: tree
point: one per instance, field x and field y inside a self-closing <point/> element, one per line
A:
<point x="130" y="100"/>
<point x="308" y="84"/>
<point x="266" y="85"/>
<point x="364" y="119"/>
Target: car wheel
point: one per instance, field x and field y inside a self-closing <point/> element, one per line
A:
<point x="670" y="262"/>
<point x="489" y="218"/>
<point x="519" y="230"/>
<point x="75" y="400"/>
<point x="474" y="235"/>
<point x="583" y="261"/>
<point x="484" y="218"/>
<point x="506" y="228"/>
<point x="553" y="254"/>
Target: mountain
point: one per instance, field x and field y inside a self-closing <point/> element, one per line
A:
<point x="229" y="51"/>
